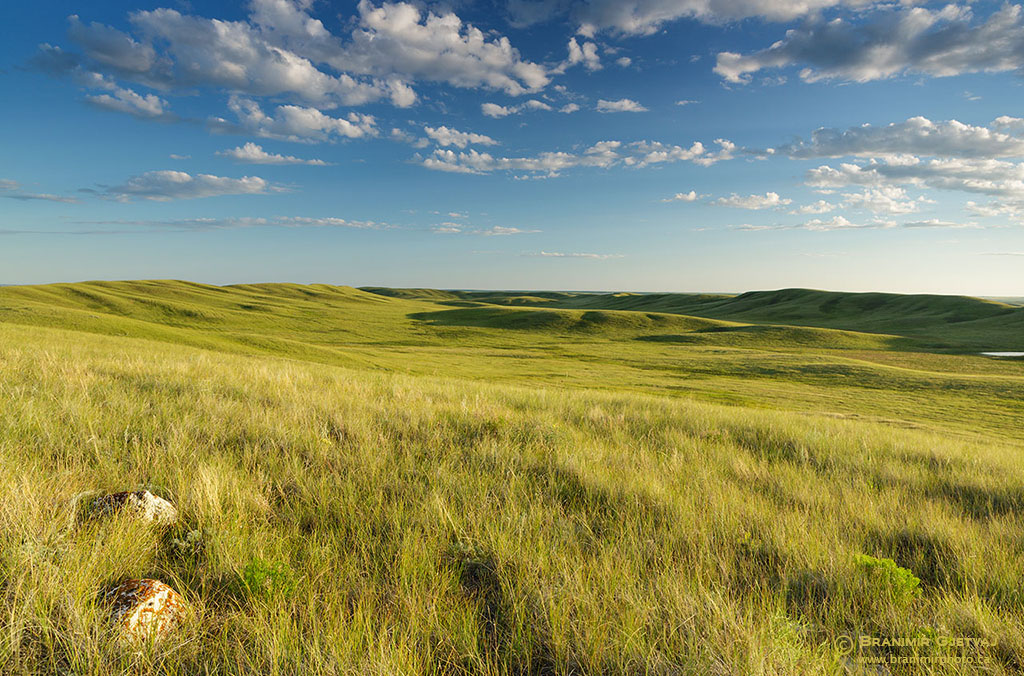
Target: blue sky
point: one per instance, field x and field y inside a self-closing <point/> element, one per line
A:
<point x="645" y="145"/>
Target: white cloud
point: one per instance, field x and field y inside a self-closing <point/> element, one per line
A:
<point x="229" y="223"/>
<point x="769" y="200"/>
<point x="940" y="43"/>
<point x="451" y="228"/>
<point x="296" y="123"/>
<point x="624" y="62"/>
<point x="496" y="111"/>
<point x="995" y="178"/>
<point x="691" y="196"/>
<point x="1011" y="210"/>
<point x="644" y="17"/>
<point x="280" y="49"/>
<point x="11" y="190"/>
<point x="175" y="156"/>
<point x="569" y="108"/>
<point x="250" y="153"/>
<point x="686" y="102"/>
<point x="619" y="106"/>
<point x="443" y="136"/>
<point x="124" y="100"/>
<point x="162" y="186"/>
<point x="884" y="200"/>
<point x="916" y="136"/>
<point x="605" y="154"/>
<point x="557" y="254"/>
<point x="843" y="223"/>
<point x="585" y="54"/>
<point x="819" y="207"/>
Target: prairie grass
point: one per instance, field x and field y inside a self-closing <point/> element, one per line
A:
<point x="362" y="521"/>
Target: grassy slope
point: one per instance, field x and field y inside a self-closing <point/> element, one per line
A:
<point x="942" y="321"/>
<point x="797" y="368"/>
<point x="561" y="518"/>
<point x="416" y="525"/>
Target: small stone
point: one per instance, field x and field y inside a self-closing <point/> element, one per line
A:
<point x="141" y="609"/>
<point x="143" y="504"/>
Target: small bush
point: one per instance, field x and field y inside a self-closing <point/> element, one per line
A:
<point x="896" y="584"/>
<point x="268" y="579"/>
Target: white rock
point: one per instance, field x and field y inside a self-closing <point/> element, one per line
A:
<point x="143" y="609"/>
<point x="143" y="504"/>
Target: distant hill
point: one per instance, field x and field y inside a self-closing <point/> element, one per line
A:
<point x="940" y="321"/>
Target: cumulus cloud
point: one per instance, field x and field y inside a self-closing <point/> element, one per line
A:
<point x="819" y="207"/>
<point x="995" y="178"/>
<point x="281" y="50"/>
<point x="443" y="136"/>
<point x="605" y="154"/>
<point x="941" y="43"/>
<point x="295" y="123"/>
<point x="585" y="54"/>
<point x="643" y="17"/>
<point x="915" y="136"/>
<point x="619" y="106"/>
<point x="691" y="196"/>
<point x="251" y="153"/>
<point x="162" y="186"/>
<point x="124" y="100"/>
<point x="884" y="200"/>
<point x="769" y="200"/>
<point x="12" y="190"/>
<point x="497" y="111"/>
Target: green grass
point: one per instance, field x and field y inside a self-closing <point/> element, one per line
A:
<point x="942" y="322"/>
<point x="376" y="484"/>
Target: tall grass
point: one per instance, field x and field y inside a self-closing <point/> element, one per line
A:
<point x="349" y="522"/>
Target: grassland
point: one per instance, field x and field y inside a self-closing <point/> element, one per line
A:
<point x="409" y="482"/>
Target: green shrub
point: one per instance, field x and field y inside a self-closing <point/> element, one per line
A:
<point x="889" y="580"/>
<point x="268" y="579"/>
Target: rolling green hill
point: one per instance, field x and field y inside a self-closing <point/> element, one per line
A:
<point x="943" y="322"/>
<point x="440" y="484"/>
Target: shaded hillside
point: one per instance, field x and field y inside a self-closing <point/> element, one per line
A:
<point x="943" y="322"/>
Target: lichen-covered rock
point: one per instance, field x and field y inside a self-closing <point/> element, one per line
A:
<point x="143" y="504"/>
<point x="144" y="609"/>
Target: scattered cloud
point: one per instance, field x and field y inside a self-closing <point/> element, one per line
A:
<point x="644" y="17"/>
<point x="162" y="186"/>
<point x="294" y="123"/>
<point x="686" y="102"/>
<point x="916" y="136"/>
<point x="12" y="190"/>
<point x="769" y="200"/>
<point x="452" y="228"/>
<point x="497" y="111"/>
<point x="250" y="153"/>
<point x="843" y="223"/>
<point x="884" y="200"/>
<point x="619" y="106"/>
<point x="995" y="178"/>
<point x="175" y="156"/>
<point x="624" y="62"/>
<point x="229" y="223"/>
<point x="591" y="256"/>
<point x="819" y="207"/>
<point x="691" y="196"/>
<point x="603" y="155"/>
<point x="443" y="136"/>
<point x="916" y="40"/>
